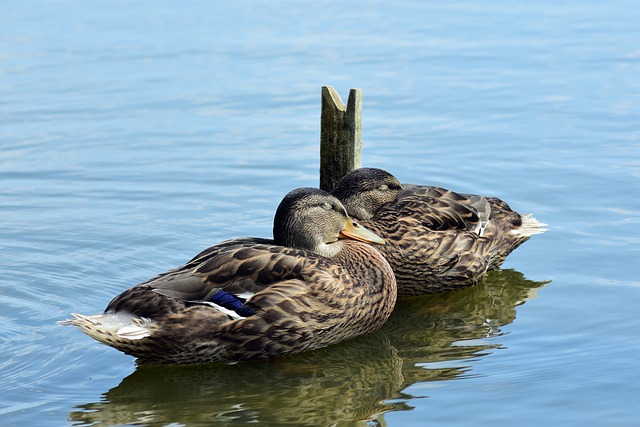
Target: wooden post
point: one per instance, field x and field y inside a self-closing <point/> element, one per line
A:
<point x="340" y="136"/>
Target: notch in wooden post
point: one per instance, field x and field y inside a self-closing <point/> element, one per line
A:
<point x="340" y="136"/>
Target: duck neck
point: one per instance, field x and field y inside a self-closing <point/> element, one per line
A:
<point x="330" y="250"/>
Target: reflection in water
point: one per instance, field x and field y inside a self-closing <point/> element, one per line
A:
<point x="354" y="381"/>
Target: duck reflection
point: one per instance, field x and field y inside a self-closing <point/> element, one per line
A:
<point x="427" y="338"/>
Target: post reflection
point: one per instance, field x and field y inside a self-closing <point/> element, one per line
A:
<point x="358" y="380"/>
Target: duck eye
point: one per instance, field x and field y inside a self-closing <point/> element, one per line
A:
<point x="383" y="187"/>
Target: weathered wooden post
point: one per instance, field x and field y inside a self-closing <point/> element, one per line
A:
<point x="340" y="136"/>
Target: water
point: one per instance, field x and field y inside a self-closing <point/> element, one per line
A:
<point x="134" y="135"/>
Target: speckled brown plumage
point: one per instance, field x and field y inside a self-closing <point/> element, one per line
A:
<point x="436" y="240"/>
<point x="303" y="300"/>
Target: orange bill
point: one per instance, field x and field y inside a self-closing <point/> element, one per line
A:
<point x="355" y="231"/>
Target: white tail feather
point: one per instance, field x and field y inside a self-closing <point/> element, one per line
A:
<point x="103" y="326"/>
<point x="133" y="332"/>
<point x="529" y="227"/>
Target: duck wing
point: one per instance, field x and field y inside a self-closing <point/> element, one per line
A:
<point x="440" y="209"/>
<point x="227" y="274"/>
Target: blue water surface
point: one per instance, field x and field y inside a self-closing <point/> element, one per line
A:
<point x="133" y="135"/>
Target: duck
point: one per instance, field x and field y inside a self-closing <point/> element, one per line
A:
<point x="437" y="240"/>
<point x="318" y="282"/>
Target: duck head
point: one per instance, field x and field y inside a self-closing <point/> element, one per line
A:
<point x="314" y="220"/>
<point x="364" y="191"/>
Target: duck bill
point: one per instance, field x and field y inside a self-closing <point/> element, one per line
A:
<point x="355" y="231"/>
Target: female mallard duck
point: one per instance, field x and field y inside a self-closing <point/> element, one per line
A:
<point x="313" y="285"/>
<point x="436" y="240"/>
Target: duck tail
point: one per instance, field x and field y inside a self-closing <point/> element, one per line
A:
<point x="113" y="329"/>
<point x="529" y="226"/>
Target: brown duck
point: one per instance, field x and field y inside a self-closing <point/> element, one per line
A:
<point x="436" y="240"/>
<point x="315" y="284"/>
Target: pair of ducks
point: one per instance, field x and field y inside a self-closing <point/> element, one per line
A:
<point x="322" y="279"/>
